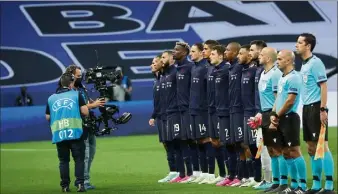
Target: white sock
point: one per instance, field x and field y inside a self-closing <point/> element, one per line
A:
<point x="266" y="164"/>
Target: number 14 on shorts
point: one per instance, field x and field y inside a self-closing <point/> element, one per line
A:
<point x="202" y="128"/>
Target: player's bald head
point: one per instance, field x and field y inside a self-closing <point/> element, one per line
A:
<point x="270" y="52"/>
<point x="285" y="60"/>
<point x="287" y="54"/>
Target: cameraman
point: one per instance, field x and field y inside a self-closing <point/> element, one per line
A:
<point x="90" y="142"/>
<point x="63" y="111"/>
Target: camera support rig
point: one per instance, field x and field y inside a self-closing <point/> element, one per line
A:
<point x="99" y="78"/>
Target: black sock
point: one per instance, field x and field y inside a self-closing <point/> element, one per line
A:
<point x="249" y="166"/>
<point x="186" y="156"/>
<point x="211" y="157"/>
<point x="194" y="156"/>
<point x="232" y="161"/>
<point x="226" y="157"/>
<point x="179" y="159"/>
<point x="203" y="158"/>
<point x="257" y="164"/>
<point x="220" y="161"/>
<point x="242" y="170"/>
<point x="171" y="156"/>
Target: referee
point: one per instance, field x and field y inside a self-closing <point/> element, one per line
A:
<point x="314" y="97"/>
<point x="63" y="111"/>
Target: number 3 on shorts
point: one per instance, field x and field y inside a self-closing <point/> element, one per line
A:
<point x="240" y="131"/>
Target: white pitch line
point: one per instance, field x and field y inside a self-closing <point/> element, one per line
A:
<point x="25" y="150"/>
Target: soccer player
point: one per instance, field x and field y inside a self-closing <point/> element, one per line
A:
<point x="286" y="121"/>
<point x="169" y="111"/>
<point x="220" y="78"/>
<point x="314" y="97"/>
<point x="230" y="56"/>
<point x="253" y="175"/>
<point x="206" y="150"/>
<point x="267" y="90"/>
<point x="183" y="76"/>
<point x="156" y="67"/>
<point x="236" y="134"/>
<point x="198" y="106"/>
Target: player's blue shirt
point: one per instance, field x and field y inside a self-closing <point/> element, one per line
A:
<point x="268" y="84"/>
<point x="65" y="117"/>
<point x="290" y="83"/>
<point x="171" y="89"/>
<point x="235" y="78"/>
<point x="248" y="90"/>
<point x="211" y="89"/>
<point x="312" y="72"/>
<point x="198" y="88"/>
<point x="156" y="97"/>
<point x="183" y="77"/>
<point x="222" y="89"/>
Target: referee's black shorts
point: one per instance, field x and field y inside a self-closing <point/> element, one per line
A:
<point x="270" y="138"/>
<point x="289" y="126"/>
<point x="312" y="123"/>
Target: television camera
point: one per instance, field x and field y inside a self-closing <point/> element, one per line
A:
<point x="99" y="76"/>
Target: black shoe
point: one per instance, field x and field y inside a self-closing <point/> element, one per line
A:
<point x="324" y="191"/>
<point x="274" y="186"/>
<point x="65" y="189"/>
<point x="312" y="191"/>
<point x="279" y="189"/>
<point x="81" y="188"/>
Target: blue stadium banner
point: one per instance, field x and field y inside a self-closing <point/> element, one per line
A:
<point x="49" y="36"/>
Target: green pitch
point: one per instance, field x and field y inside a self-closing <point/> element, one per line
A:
<point x="121" y="165"/>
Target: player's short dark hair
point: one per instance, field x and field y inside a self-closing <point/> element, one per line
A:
<point x="211" y="43"/>
<point x="66" y="79"/>
<point x="72" y="69"/>
<point x="220" y="49"/>
<point x="168" y="51"/>
<point x="199" y="46"/>
<point x="246" y="47"/>
<point x="309" y="39"/>
<point x="259" y="43"/>
<point x="159" y="56"/>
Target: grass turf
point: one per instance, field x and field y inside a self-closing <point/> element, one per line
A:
<point x="121" y="165"/>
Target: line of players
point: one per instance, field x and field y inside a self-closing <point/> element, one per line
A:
<point x="202" y="109"/>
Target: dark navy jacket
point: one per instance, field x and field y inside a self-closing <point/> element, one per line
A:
<point x="259" y="71"/>
<point x="222" y="89"/>
<point x="198" y="89"/>
<point x="211" y="89"/>
<point x="156" y="97"/>
<point x="163" y="97"/>
<point x="235" y="98"/>
<point x="248" y="90"/>
<point x="183" y="77"/>
<point x="171" y="89"/>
